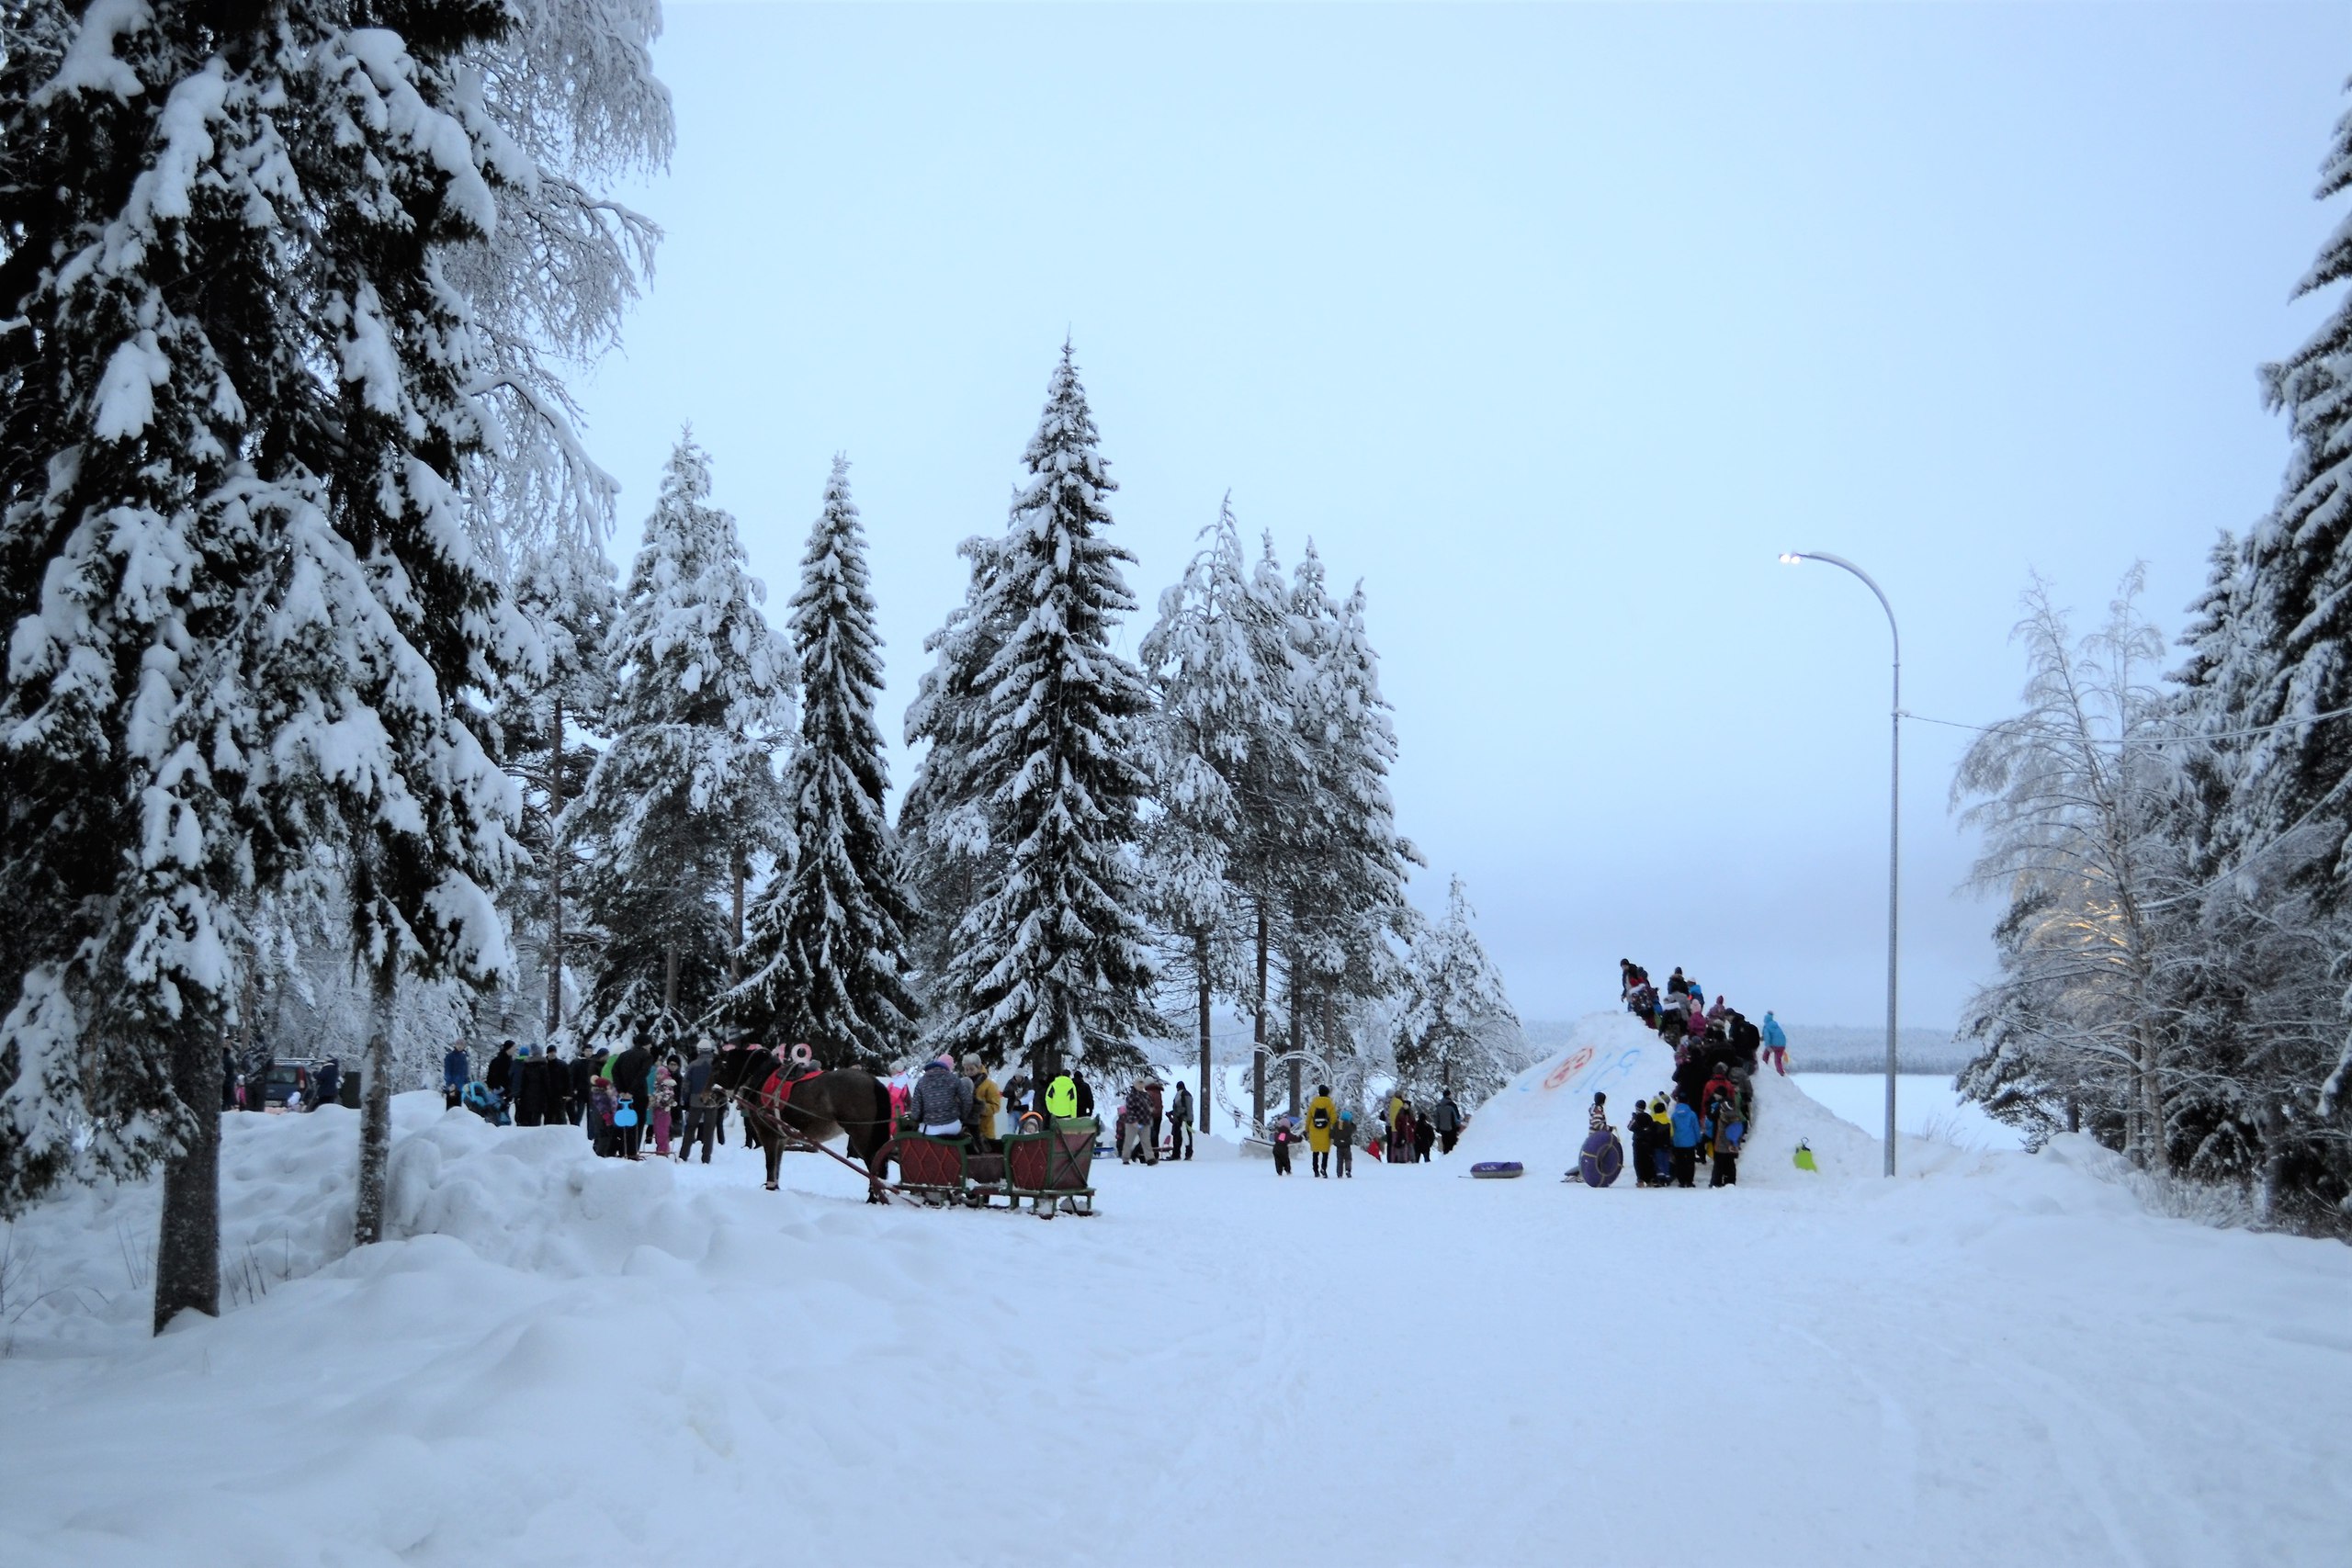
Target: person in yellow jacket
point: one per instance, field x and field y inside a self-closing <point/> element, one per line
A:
<point x="1061" y="1099"/>
<point x="987" y="1099"/>
<point x="1322" y="1118"/>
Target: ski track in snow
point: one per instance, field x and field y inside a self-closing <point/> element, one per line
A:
<point x="1998" y="1358"/>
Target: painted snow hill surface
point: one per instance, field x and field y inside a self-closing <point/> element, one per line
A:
<point x="555" y="1360"/>
<point x="1540" y="1117"/>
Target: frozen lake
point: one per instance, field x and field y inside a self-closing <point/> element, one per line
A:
<point x="1924" y="1106"/>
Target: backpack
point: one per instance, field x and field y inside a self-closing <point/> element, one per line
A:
<point x="1321" y="1119"/>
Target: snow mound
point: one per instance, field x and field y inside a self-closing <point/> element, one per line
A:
<point x="1539" y="1118"/>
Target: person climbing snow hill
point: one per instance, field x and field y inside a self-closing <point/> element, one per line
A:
<point x="1776" y="1043"/>
<point x="1686" y="1136"/>
<point x="1322" y="1116"/>
<point x="1725" y="1132"/>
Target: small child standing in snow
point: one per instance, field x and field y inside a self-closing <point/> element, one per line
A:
<point x="1343" y="1140"/>
<point x="1282" y="1137"/>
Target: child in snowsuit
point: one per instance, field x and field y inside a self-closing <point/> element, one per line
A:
<point x="1282" y="1137"/>
<point x="1343" y="1141"/>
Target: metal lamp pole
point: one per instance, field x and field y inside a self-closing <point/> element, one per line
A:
<point x="1893" y="821"/>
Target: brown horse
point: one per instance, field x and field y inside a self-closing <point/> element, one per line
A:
<point x="840" y="1103"/>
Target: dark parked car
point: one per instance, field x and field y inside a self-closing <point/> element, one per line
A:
<point x="290" y="1076"/>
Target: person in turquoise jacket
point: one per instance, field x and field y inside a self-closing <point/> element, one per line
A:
<point x="1687" y="1134"/>
<point x="1776" y="1044"/>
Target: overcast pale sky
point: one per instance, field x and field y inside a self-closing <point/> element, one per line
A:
<point x="1555" y="326"/>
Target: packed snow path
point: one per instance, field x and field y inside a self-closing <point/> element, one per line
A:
<point x="2003" y="1361"/>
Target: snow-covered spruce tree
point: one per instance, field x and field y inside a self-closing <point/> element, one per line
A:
<point x="1052" y="964"/>
<point x="1220" y="716"/>
<point x="566" y="591"/>
<point x="1455" y="1024"/>
<point x="2248" y="983"/>
<point x="685" y="793"/>
<point x="243" y="599"/>
<point x="2282" y="681"/>
<point x="946" y="828"/>
<point x="2285" y="656"/>
<point x="1280" y="780"/>
<point x="1348" y="864"/>
<point x="826" y="944"/>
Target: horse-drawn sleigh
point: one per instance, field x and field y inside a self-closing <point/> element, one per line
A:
<point x="784" y="1112"/>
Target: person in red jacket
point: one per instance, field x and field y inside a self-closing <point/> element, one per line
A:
<point x="1720" y="1084"/>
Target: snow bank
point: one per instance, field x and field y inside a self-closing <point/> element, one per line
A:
<point x="563" y="1360"/>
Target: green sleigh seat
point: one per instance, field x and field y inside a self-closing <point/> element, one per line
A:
<point x="1053" y="1169"/>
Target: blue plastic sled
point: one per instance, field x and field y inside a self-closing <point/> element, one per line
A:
<point x="1497" y="1170"/>
<point x="1603" y="1158"/>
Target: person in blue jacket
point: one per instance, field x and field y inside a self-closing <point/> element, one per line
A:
<point x="455" y="1074"/>
<point x="1686" y="1132"/>
<point x="1776" y="1044"/>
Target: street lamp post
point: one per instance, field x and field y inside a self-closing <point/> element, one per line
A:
<point x="1893" y="820"/>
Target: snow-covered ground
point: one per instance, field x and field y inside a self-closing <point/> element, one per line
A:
<point x="1999" y="1358"/>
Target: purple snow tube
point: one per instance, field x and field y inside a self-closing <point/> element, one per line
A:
<point x="1603" y="1158"/>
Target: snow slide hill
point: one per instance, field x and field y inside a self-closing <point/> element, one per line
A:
<point x="1539" y="1118"/>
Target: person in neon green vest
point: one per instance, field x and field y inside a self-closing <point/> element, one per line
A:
<point x="1061" y="1099"/>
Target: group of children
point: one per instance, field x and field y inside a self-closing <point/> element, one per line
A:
<point x="1408" y="1136"/>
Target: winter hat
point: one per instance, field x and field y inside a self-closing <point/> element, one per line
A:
<point x="1347" y="1115"/>
<point x="1600" y="1100"/>
<point x="972" y="1064"/>
<point x="1322" y="1088"/>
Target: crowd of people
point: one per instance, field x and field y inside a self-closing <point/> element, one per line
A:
<point x="641" y="1091"/>
<point x="624" y="1098"/>
<point x="1706" y="1112"/>
<point x="1403" y="1136"/>
<point x="618" y="1096"/>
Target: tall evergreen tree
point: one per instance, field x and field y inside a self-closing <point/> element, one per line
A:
<point x="1456" y="1029"/>
<point x="1052" y="963"/>
<point x="1347" y="864"/>
<point x="1218" y="738"/>
<point x="686" y="792"/>
<point x="947" y="829"/>
<point x="2285" y="655"/>
<point x="566" y="591"/>
<point x="241" y="593"/>
<point x="826" y="944"/>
